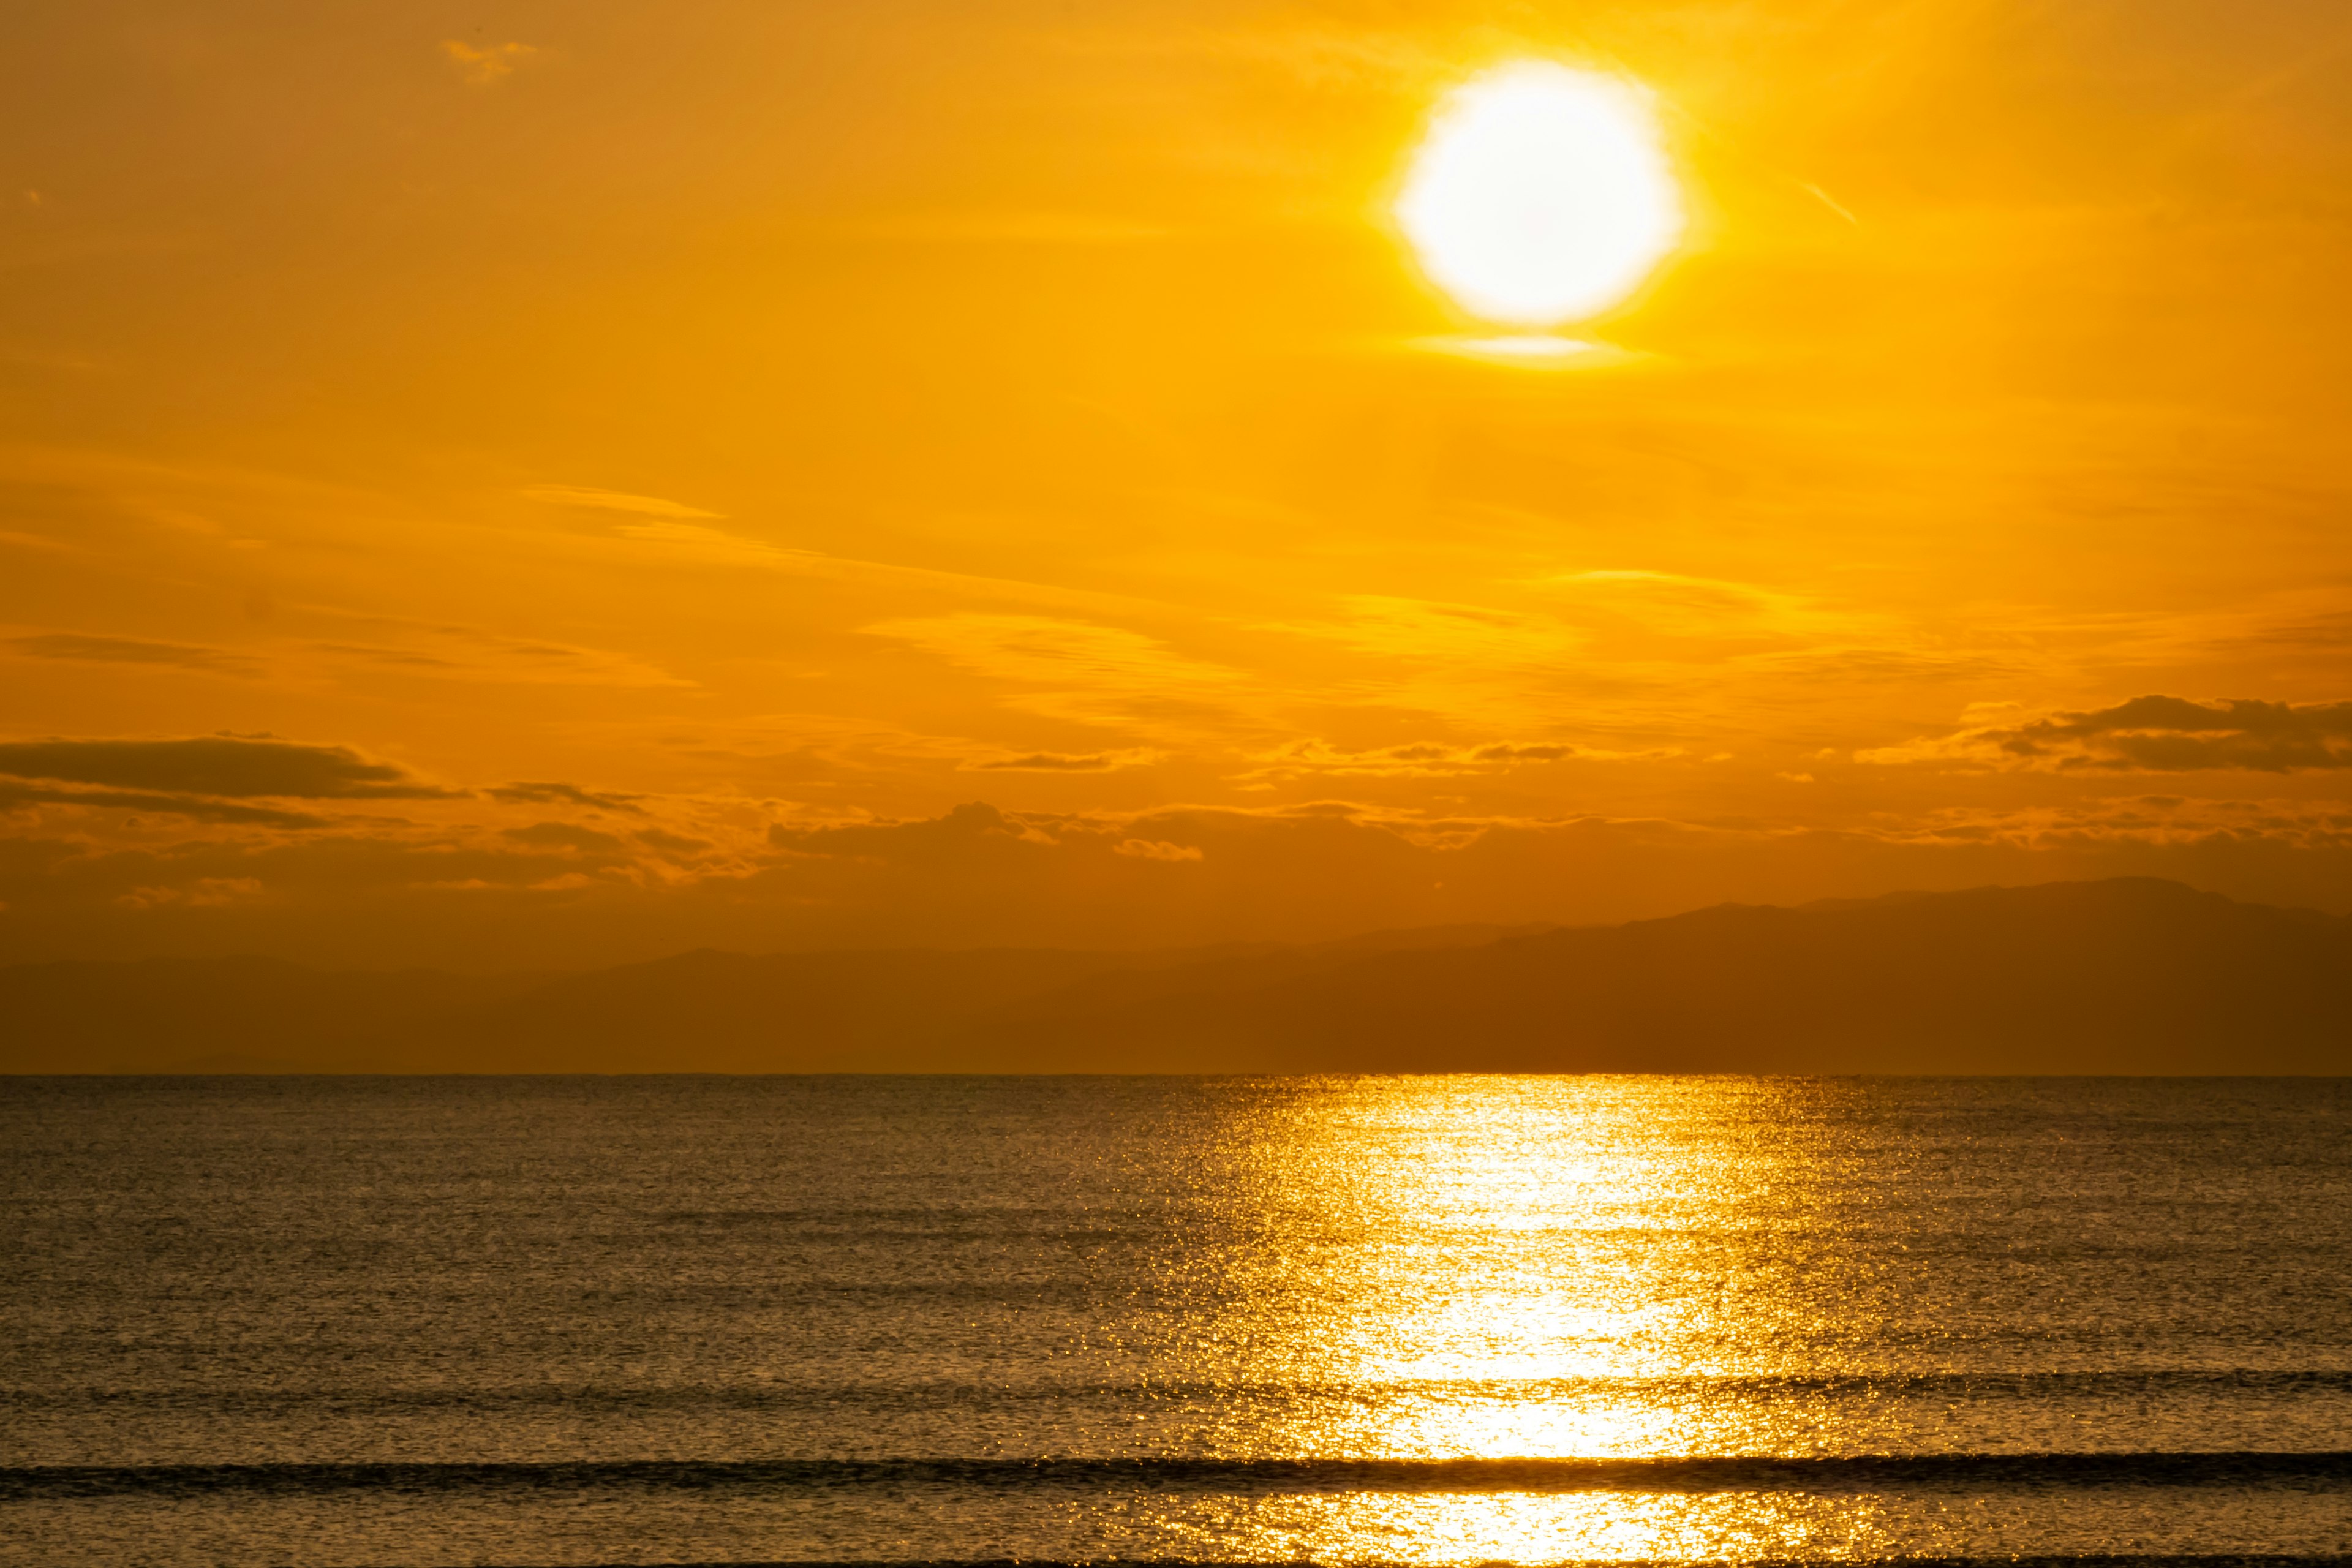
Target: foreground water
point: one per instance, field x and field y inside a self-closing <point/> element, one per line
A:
<point x="370" y="1321"/>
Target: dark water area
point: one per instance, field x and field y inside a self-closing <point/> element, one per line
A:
<point x="361" y="1321"/>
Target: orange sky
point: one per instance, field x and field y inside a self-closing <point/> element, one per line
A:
<point x="760" y="430"/>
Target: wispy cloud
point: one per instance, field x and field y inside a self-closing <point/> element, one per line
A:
<point x="204" y="893"/>
<point x="1079" y="671"/>
<point x="716" y="547"/>
<point x="1675" y="603"/>
<point x="1158" y="849"/>
<point x="564" y="836"/>
<point x="460" y="654"/>
<point x="1427" y="759"/>
<point x="2145" y="819"/>
<point x="488" y="65"/>
<point x="596" y="500"/>
<point x="131" y="650"/>
<point x="1454" y="635"/>
<point x="1063" y="762"/>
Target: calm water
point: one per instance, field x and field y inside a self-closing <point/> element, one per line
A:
<point x="360" y="1321"/>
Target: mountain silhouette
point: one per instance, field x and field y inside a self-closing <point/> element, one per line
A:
<point x="2129" y="975"/>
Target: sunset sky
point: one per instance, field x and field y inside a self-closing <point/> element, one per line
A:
<point x="561" y="483"/>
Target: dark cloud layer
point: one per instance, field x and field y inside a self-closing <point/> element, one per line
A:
<point x="544" y="893"/>
<point x="2156" y="734"/>
<point x="544" y="794"/>
<point x="233" y="843"/>
<point x="191" y="807"/>
<point x="2174" y="734"/>
<point x="226" y="766"/>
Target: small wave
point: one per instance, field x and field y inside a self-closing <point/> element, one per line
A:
<point x="865" y="1387"/>
<point x="1865" y="1473"/>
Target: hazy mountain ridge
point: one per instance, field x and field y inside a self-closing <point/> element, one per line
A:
<point x="2128" y="975"/>
<point x="2118" y="976"/>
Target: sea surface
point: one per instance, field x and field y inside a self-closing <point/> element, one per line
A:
<point x="331" y="1321"/>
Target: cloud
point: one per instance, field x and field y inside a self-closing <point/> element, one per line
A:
<point x="1079" y="671"/>
<point x="228" y="766"/>
<point x="398" y="656"/>
<point x="835" y="740"/>
<point x="465" y="654"/>
<point x="2145" y="820"/>
<point x="485" y="66"/>
<point x="613" y="501"/>
<point x="1427" y="630"/>
<point x="716" y="547"/>
<point x="1064" y="762"/>
<point x="2322" y="631"/>
<point x="1672" y="602"/>
<point x="1428" y="759"/>
<point x="194" y="809"/>
<point x="2151" y="734"/>
<point x="1462" y="664"/>
<point x="205" y="892"/>
<point x="1762" y="633"/>
<point x="528" y="793"/>
<point x="975" y="823"/>
<point x="375" y="892"/>
<point x="1156" y="850"/>
<point x="563" y="835"/>
<point x="1882" y="664"/>
<point x="130" y="650"/>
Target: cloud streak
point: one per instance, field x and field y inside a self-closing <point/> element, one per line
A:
<point x="232" y="767"/>
<point x="1063" y="762"/>
<point x="2150" y="734"/>
<point x="1079" y="671"/>
<point x="596" y="500"/>
<point x="524" y="793"/>
<point x="191" y="807"/>
<point x="1429" y="759"/>
<point x="131" y="650"/>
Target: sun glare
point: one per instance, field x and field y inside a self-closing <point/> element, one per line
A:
<point x="1541" y="196"/>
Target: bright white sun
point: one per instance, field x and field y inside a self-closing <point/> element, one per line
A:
<point x="1540" y="196"/>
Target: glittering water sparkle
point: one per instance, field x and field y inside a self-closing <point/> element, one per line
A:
<point x="605" y="1320"/>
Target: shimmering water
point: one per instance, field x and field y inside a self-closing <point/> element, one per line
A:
<point x="361" y="1322"/>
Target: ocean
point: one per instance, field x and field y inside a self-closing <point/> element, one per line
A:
<point x="572" y="1321"/>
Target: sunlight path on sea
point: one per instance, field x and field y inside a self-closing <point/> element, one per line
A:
<point x="1523" y="1267"/>
<point x="632" y="1320"/>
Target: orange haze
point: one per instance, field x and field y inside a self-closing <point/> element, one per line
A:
<point x="548" y="484"/>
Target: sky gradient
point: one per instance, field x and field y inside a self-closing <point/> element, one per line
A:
<point x="550" y="484"/>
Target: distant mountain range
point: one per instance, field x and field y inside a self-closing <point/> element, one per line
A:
<point x="2130" y="975"/>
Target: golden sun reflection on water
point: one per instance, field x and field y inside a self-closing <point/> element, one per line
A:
<point x="1521" y="1527"/>
<point x="1594" y="1232"/>
<point x="1535" y="1269"/>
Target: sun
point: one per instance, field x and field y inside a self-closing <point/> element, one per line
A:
<point x="1540" y="196"/>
